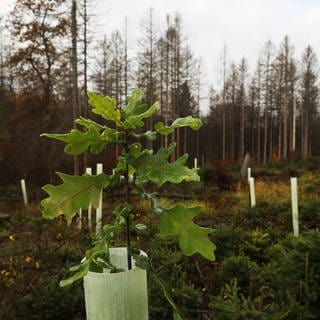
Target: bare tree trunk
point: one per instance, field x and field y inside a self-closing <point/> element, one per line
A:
<point x="285" y="127"/>
<point x="232" y="120"/>
<point x="271" y="130"/>
<point x="280" y="123"/>
<point x="242" y="74"/>
<point x="265" y="135"/>
<point x="306" y="134"/>
<point x="294" y="120"/>
<point x="224" y="104"/>
<point x="302" y="131"/>
<point x="166" y="114"/>
<point x="198" y="112"/>
<point x="85" y="72"/>
<point x="241" y="154"/>
<point x="1" y="64"/>
<point x="185" y="140"/>
<point x="258" y="115"/>
<point x="75" y="94"/>
<point x="126" y="62"/>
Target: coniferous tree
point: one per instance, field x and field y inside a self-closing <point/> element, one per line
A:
<point x="101" y="76"/>
<point x="257" y="112"/>
<point x="285" y="78"/>
<point x="147" y="62"/>
<point x="233" y="85"/>
<point x="266" y="95"/>
<point x="243" y="69"/>
<point x="309" y="93"/>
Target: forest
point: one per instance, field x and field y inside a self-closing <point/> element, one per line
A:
<point x="50" y="57"/>
<point x="166" y="172"/>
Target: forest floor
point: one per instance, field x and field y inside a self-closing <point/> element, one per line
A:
<point x="261" y="271"/>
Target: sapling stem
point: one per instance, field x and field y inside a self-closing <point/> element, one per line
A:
<point x="128" y="199"/>
<point x="128" y="196"/>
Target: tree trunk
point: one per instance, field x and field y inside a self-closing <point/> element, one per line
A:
<point x="75" y="100"/>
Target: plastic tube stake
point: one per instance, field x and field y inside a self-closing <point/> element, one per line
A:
<point x="24" y="192"/>
<point x="252" y="192"/>
<point x="294" y="203"/>
<point x="89" y="171"/>
<point x="99" y="209"/>
<point x="195" y="163"/>
<point x="249" y="173"/>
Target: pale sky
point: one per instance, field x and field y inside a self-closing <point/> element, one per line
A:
<point x="242" y="25"/>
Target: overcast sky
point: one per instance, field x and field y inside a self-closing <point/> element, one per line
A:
<point x="242" y="25"/>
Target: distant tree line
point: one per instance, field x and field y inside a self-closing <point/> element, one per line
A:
<point x="50" y="56"/>
<point x="272" y="114"/>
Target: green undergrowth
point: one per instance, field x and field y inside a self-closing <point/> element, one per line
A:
<point x="261" y="271"/>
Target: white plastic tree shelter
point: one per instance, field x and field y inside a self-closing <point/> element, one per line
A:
<point x="79" y="225"/>
<point x="24" y="192"/>
<point x="294" y="204"/>
<point x="89" y="171"/>
<point x="252" y="192"/>
<point x="249" y="173"/>
<point x="196" y="163"/>
<point x="117" y="296"/>
<point x="99" y="209"/>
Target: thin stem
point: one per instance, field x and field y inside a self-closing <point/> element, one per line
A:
<point x="128" y="199"/>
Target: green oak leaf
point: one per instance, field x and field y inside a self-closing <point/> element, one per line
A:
<point x="193" y="123"/>
<point x="156" y="168"/>
<point x="76" y="192"/>
<point x="105" y="107"/>
<point x="135" y="121"/>
<point x="79" y="270"/>
<point x="79" y="142"/>
<point x="96" y="259"/>
<point x="178" y="221"/>
<point x="88" y="122"/>
<point x="134" y="105"/>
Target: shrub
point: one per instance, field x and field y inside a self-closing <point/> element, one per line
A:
<point x="49" y="302"/>
<point x="293" y="276"/>
<point x="223" y="178"/>
<point x="228" y="240"/>
<point x="231" y="304"/>
<point x="310" y="213"/>
<point x="240" y="268"/>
